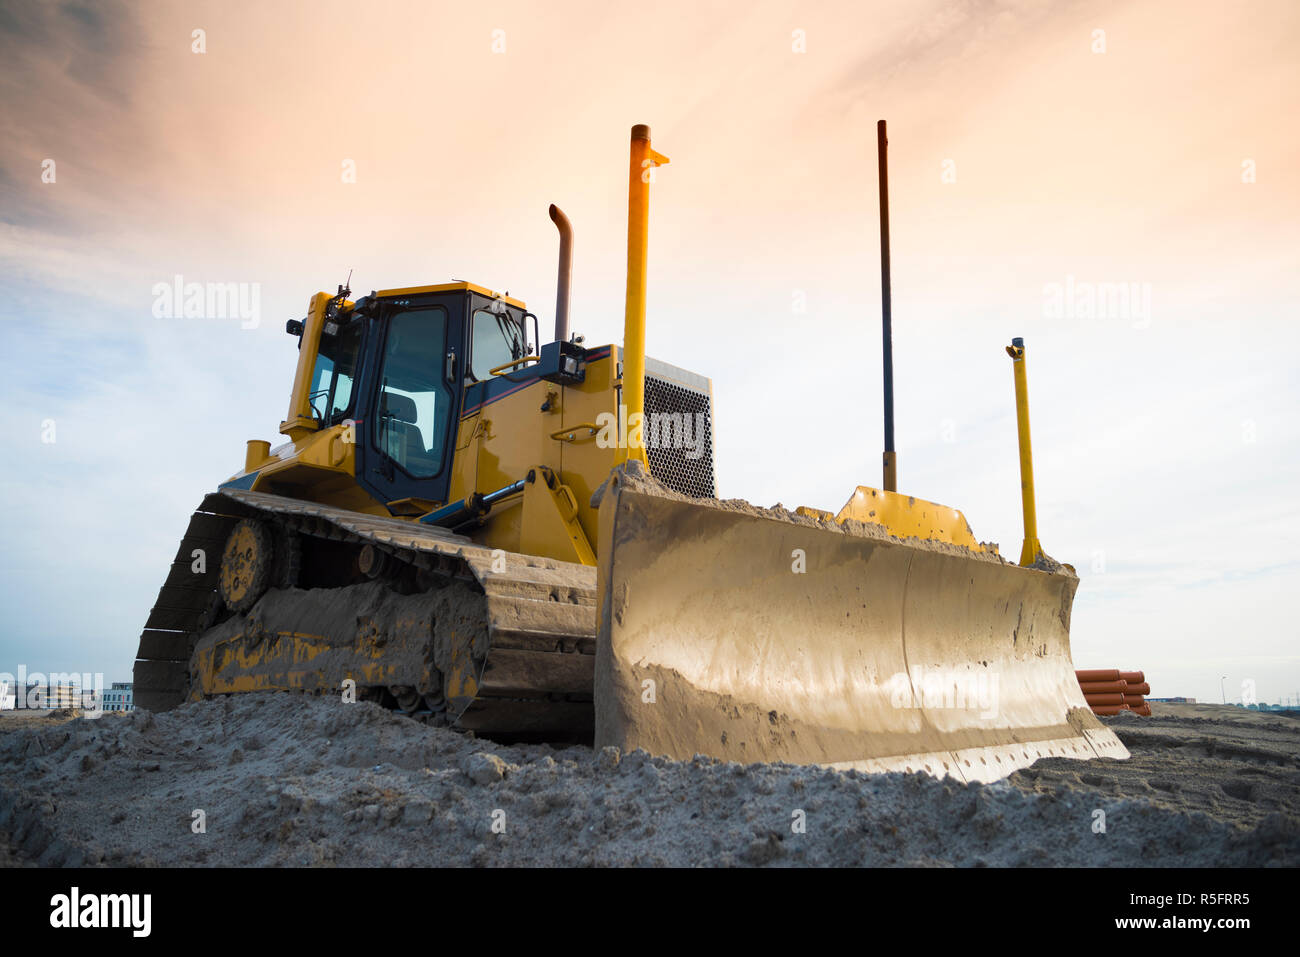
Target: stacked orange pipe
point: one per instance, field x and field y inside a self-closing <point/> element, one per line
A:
<point x="1109" y="691"/>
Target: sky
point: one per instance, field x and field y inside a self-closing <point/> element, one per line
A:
<point x="1039" y="153"/>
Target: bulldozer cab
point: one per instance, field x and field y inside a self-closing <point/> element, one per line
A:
<point x="396" y="365"/>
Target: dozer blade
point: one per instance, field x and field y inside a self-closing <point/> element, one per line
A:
<point x="758" y="635"/>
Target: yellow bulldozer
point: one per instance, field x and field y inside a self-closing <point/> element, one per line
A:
<point x="524" y="540"/>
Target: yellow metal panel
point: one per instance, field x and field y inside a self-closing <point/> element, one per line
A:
<point x="501" y="441"/>
<point x="498" y="444"/>
<point x="452" y="287"/>
<point x="909" y="517"/>
<point x="317" y="467"/>
<point x="584" y="463"/>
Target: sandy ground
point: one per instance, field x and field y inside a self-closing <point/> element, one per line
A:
<point x="282" y="779"/>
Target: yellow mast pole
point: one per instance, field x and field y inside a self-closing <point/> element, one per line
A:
<point x="641" y="165"/>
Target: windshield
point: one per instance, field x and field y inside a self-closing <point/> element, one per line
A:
<point x="497" y="339"/>
<point x="336" y="367"/>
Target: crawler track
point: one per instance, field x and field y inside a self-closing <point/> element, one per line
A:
<point x="493" y="642"/>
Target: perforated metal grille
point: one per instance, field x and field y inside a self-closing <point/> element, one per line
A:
<point x="675" y="417"/>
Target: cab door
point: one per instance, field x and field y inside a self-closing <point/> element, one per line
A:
<point x="406" y="439"/>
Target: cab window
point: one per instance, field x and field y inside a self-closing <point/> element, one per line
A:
<point x="336" y="367"/>
<point x="496" y="340"/>
<point x="415" y="402"/>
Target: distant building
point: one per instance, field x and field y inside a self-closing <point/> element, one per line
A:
<point x="1174" y="700"/>
<point x="61" y="696"/>
<point x="120" y="697"/>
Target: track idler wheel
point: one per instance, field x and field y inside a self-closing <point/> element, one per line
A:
<point x="246" y="565"/>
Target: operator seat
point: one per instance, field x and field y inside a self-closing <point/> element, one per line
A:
<point x="400" y="437"/>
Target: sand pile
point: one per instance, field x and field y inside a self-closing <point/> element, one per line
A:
<point x="285" y="779"/>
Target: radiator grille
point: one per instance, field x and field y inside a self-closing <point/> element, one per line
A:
<point x="667" y="430"/>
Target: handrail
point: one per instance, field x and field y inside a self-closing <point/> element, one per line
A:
<point x="569" y="434"/>
<point x="511" y="365"/>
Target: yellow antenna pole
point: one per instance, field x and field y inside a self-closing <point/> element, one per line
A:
<point x="1032" y="550"/>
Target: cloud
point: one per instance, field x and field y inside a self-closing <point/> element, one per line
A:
<point x="58" y="55"/>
